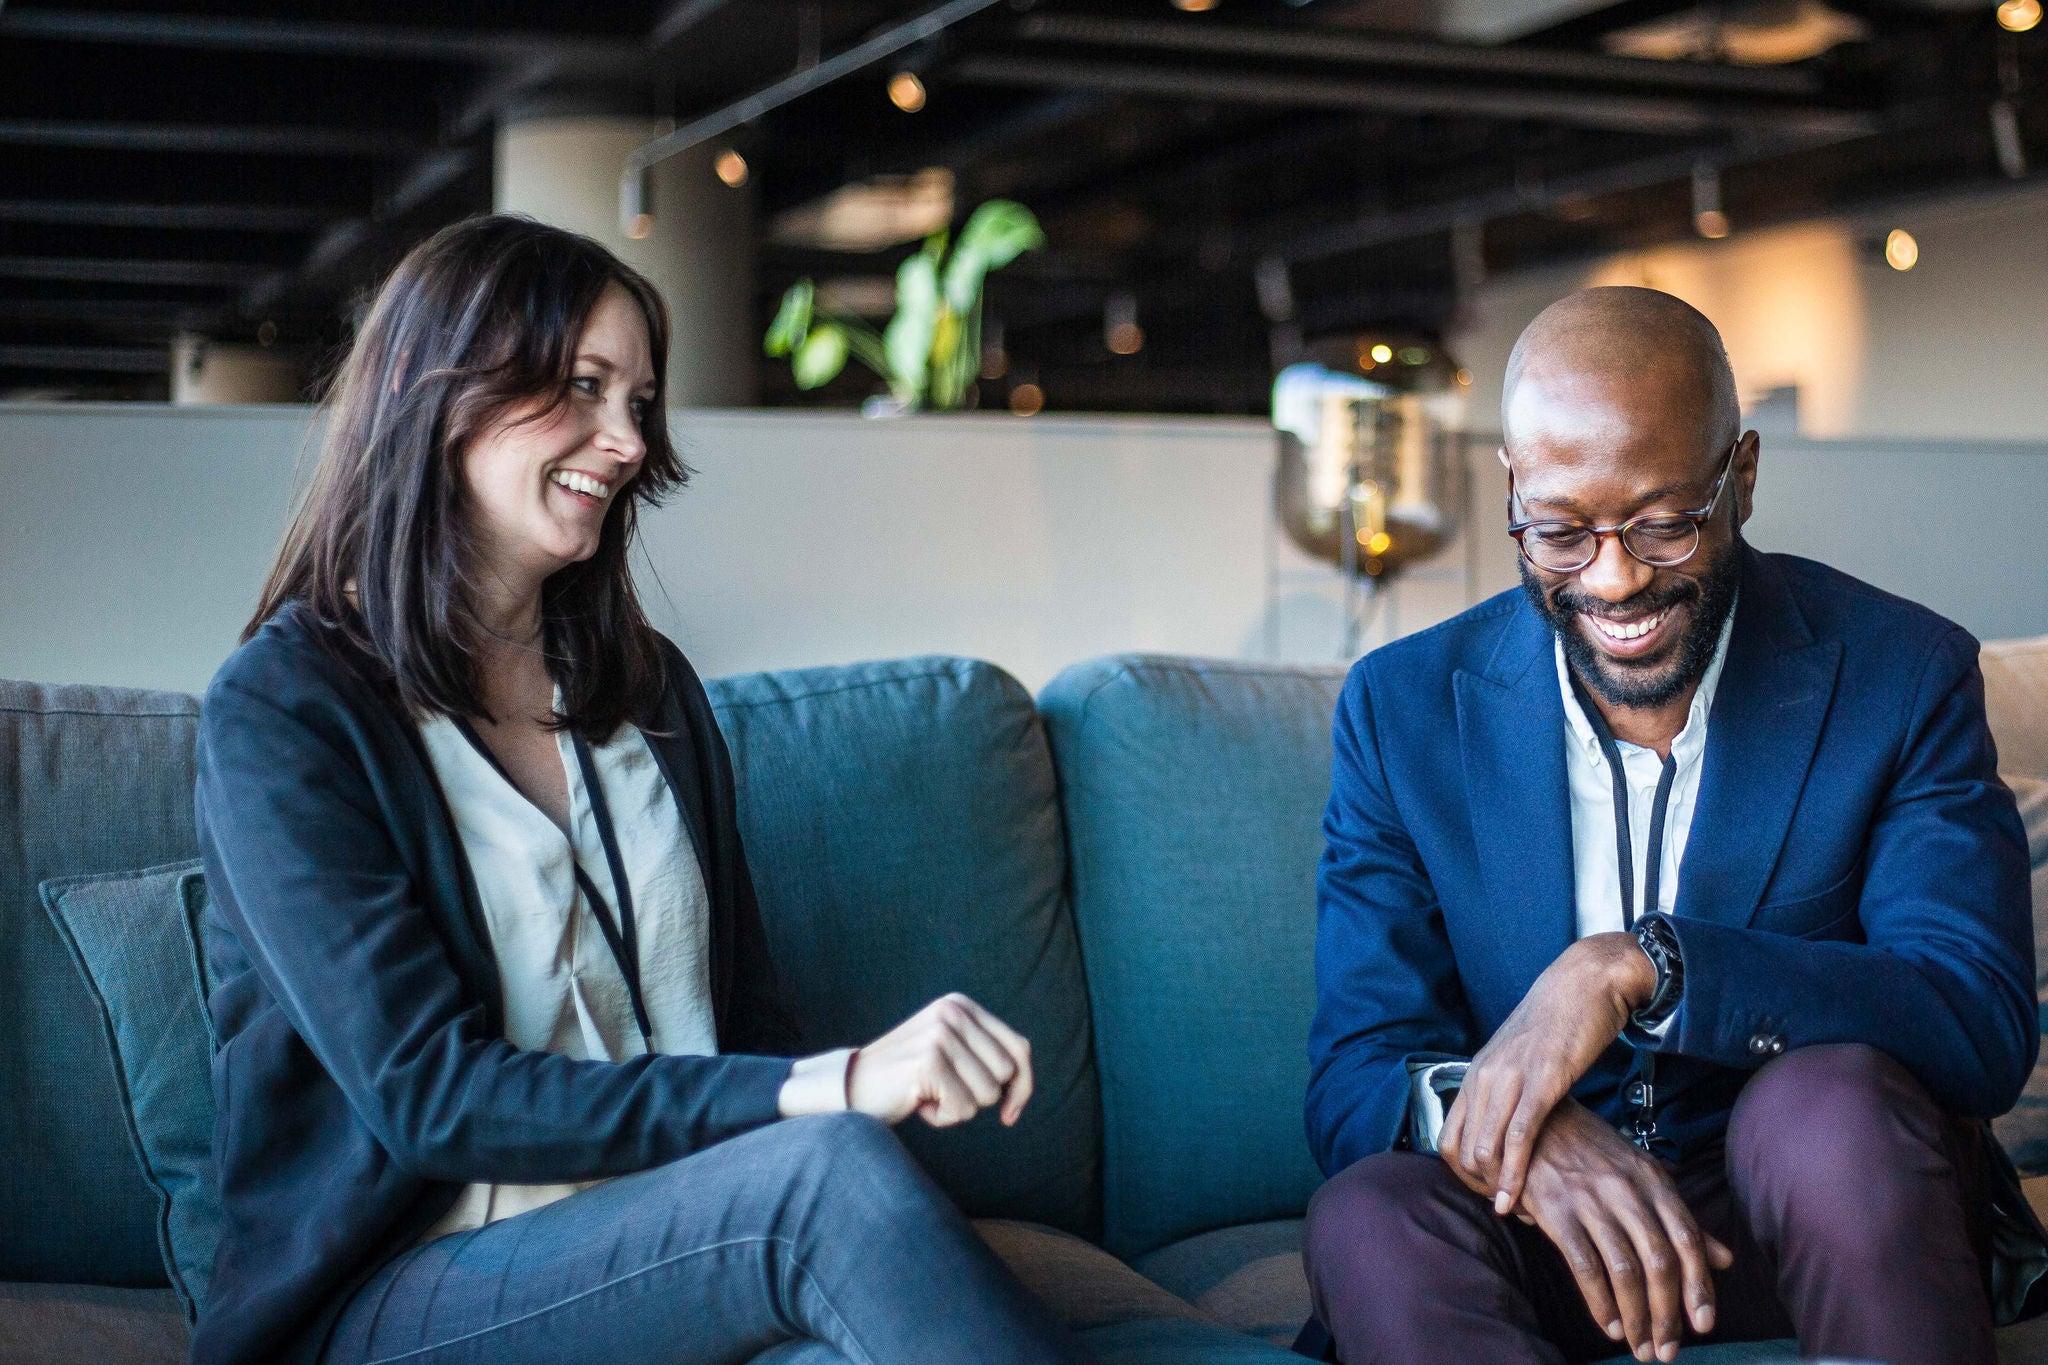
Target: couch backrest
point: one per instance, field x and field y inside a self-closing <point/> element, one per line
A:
<point x="92" y="779"/>
<point x="1193" y="796"/>
<point x="2016" y="699"/>
<point x="901" y="825"/>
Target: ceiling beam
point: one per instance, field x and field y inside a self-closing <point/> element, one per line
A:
<point x="319" y="38"/>
<point x="202" y="274"/>
<point x="678" y="19"/>
<point x="98" y="135"/>
<point x="164" y="313"/>
<point x="207" y="217"/>
<point x="1413" y="54"/>
<point x="1676" y="116"/>
<point x="104" y="359"/>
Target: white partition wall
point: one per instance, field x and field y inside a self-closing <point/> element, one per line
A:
<point x="133" y="538"/>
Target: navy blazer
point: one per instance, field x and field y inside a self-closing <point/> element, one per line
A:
<point x="363" y="1076"/>
<point x="1855" y="871"/>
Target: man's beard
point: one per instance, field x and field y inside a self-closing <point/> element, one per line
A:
<point x="1621" y="683"/>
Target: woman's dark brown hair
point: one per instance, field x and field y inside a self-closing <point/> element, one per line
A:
<point x="483" y="317"/>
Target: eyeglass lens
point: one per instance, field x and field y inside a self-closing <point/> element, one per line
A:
<point x="1564" y="548"/>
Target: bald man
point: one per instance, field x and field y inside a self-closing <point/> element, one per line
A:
<point x="1685" y="878"/>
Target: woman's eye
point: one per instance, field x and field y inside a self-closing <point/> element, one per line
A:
<point x="639" y="408"/>
<point x="586" y="383"/>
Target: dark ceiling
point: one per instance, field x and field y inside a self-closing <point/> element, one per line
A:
<point x="246" y="170"/>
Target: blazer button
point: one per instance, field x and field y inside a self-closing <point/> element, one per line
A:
<point x="1777" y="1046"/>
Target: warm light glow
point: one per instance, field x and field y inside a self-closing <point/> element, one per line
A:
<point x="995" y="363"/>
<point x="1196" y="6"/>
<point x="1126" y="338"/>
<point x="2019" y="16"/>
<point x="1377" y="543"/>
<point x="1711" y="224"/>
<point x="1382" y="353"/>
<point x="1464" y="379"/>
<point x="906" y="91"/>
<point x="1901" y="252"/>
<point x="639" y="225"/>
<point x="1027" y="399"/>
<point x="731" y="168"/>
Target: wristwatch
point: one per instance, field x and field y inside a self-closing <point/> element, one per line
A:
<point x="1659" y="942"/>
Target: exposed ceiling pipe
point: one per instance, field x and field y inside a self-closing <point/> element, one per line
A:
<point x="1671" y="115"/>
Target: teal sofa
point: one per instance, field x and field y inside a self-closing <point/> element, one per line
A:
<point x="1123" y="869"/>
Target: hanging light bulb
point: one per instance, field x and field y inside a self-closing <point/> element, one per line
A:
<point x="2019" y="16"/>
<point x="636" y="202"/>
<point x="906" y="91"/>
<point x="1195" y="6"/>
<point x="732" y="168"/>
<point x="1120" y="329"/>
<point x="1707" y="217"/>
<point x="1901" y="251"/>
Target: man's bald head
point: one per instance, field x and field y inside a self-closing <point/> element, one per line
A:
<point x="1596" y="358"/>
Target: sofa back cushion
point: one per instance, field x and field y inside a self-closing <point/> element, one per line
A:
<point x="1193" y="796"/>
<point x="2016" y="701"/>
<point x="901" y="826"/>
<point x="92" y="780"/>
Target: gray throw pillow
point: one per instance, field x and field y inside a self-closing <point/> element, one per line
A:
<point x="135" y="937"/>
<point x="2024" y="1132"/>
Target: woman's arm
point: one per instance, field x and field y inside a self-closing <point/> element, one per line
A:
<point x="303" y="862"/>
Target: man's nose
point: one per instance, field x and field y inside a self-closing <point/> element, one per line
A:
<point x="1615" y="575"/>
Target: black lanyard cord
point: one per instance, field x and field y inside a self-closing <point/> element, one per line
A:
<point x="1653" y="868"/>
<point x="622" y="937"/>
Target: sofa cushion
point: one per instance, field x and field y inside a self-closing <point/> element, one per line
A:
<point x="901" y="826"/>
<point x="1084" y="1285"/>
<point x="136" y="939"/>
<point x="92" y="780"/>
<point x="2016" y="701"/>
<point x="1248" y="1277"/>
<point x="1193" y="796"/>
<point x="2024" y="1131"/>
<point x="87" y="1324"/>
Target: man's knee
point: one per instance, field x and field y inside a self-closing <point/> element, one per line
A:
<point x="1836" y="1127"/>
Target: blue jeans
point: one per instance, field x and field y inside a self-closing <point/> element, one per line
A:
<point x="819" y="1238"/>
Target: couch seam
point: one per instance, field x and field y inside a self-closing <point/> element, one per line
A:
<point x="862" y="685"/>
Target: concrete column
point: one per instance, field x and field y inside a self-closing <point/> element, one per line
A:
<point x="207" y="372"/>
<point x="565" y="171"/>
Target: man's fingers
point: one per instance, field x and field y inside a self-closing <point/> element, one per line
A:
<point x="1523" y="1125"/>
<point x="1662" y="1271"/>
<point x="1694" y="1259"/>
<point x="1589" y="1268"/>
<point x="1719" y="1256"/>
<point x="1625" y="1279"/>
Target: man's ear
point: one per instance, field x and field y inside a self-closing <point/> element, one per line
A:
<point x="1744" y="474"/>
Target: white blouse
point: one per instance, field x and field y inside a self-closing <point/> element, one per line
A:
<point x="563" y="990"/>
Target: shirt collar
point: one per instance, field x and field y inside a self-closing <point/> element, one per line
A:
<point x="1693" y="736"/>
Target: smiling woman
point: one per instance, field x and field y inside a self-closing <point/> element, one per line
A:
<point x="495" y="1005"/>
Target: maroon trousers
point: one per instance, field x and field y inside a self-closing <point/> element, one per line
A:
<point x="1849" y="1200"/>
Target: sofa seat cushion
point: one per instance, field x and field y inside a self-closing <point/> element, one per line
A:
<point x="83" y="1324"/>
<point x="904" y="835"/>
<point x="92" y="780"/>
<point x="1248" y="1277"/>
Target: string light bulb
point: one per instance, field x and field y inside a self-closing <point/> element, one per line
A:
<point x="1901" y="251"/>
<point x="1120" y="330"/>
<point x="1195" y="6"/>
<point x="1708" y="218"/>
<point x="636" y="202"/>
<point x="731" y="167"/>
<point x="2019" y="16"/>
<point x="906" y="91"/>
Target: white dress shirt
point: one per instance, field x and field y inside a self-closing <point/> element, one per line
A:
<point x="563" y="990"/>
<point x="1596" y="875"/>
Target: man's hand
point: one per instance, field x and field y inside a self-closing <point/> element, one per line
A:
<point x="1639" y="1257"/>
<point x="1576" y="1008"/>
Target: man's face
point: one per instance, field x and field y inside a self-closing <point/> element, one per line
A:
<point x="1600" y="452"/>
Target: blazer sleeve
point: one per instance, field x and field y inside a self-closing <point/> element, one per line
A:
<point x="1944" y="979"/>
<point x="305" y="868"/>
<point x="1388" y="996"/>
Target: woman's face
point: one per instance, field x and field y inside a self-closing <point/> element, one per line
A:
<point x="539" y="490"/>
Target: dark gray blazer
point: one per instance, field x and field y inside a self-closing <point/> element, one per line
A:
<point x="363" y="1076"/>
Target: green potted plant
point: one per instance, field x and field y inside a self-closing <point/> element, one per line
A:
<point x="931" y="349"/>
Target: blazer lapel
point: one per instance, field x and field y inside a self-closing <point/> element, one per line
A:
<point x="1511" y="734"/>
<point x="1761" y="735"/>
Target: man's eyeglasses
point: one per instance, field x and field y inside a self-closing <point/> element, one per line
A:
<point x="1660" y="540"/>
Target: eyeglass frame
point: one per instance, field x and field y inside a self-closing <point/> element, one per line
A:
<point x="1620" y="529"/>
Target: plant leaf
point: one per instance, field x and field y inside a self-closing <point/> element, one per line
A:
<point x="792" y="321"/>
<point x="821" y="356"/>
<point x="996" y="233"/>
<point x="908" y="338"/>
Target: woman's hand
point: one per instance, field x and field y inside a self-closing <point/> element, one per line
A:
<point x="946" y="1063"/>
